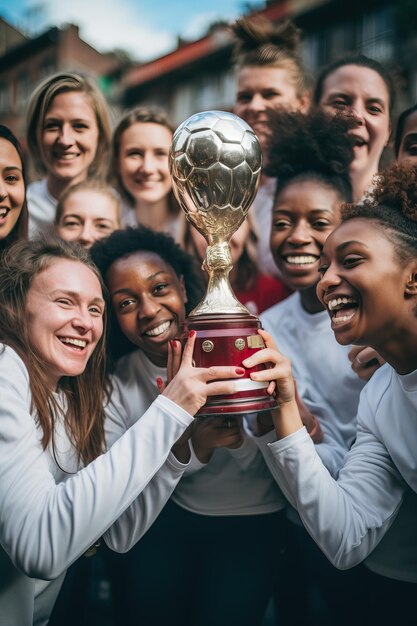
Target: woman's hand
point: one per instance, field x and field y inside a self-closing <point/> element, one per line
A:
<point x="286" y="418"/>
<point x="365" y="361"/>
<point x="191" y="386"/>
<point x="216" y="432"/>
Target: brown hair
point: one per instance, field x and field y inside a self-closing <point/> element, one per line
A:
<point x="40" y="102"/>
<point x="138" y="116"/>
<point x="93" y="184"/>
<point x="20" y="230"/>
<point x="85" y="394"/>
<point x="260" y="42"/>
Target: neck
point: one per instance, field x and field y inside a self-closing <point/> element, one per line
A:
<point x="152" y="214"/>
<point x="361" y="183"/>
<point x="57" y="186"/>
<point x="310" y="301"/>
<point x="399" y="349"/>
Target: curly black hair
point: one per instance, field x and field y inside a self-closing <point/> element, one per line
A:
<point x="122" y="243"/>
<point x="392" y="205"/>
<point x="314" y="146"/>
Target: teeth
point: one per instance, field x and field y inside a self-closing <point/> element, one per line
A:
<point x="306" y="259"/>
<point x="154" y="332"/>
<point x="3" y="212"/>
<point x="67" y="157"/>
<point x="342" y="318"/>
<point x="337" y="303"/>
<point x="80" y="343"/>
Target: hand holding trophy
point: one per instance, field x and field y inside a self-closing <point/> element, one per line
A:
<point x="215" y="163"/>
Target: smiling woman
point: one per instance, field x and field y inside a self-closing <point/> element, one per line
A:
<point x="68" y="136"/>
<point x="13" y="208"/>
<point x="60" y="491"/>
<point x="369" y="287"/>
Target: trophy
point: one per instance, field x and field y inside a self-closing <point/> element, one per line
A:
<point x="215" y="164"/>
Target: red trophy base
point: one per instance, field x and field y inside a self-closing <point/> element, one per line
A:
<point x="229" y="339"/>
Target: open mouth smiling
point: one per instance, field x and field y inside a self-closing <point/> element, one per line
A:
<point x="300" y="259"/>
<point x="342" y="309"/>
<point x="159" y="330"/>
<point x="77" y="344"/>
<point x="4" y="211"/>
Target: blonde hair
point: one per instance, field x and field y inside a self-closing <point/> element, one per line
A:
<point x="40" y="102"/>
<point x="93" y="184"/>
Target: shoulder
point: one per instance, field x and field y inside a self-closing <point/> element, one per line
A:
<point x="11" y="364"/>
<point x="37" y="188"/>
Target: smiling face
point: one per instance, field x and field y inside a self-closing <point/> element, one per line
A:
<point x="148" y="300"/>
<point x="304" y="215"/>
<point x="361" y="92"/>
<point x="87" y="216"/>
<point x="408" y="146"/>
<point x="363" y="285"/>
<point x="68" y="137"/>
<point x="64" y="308"/>
<point x="143" y="161"/>
<point x="262" y="88"/>
<point x="12" y="187"/>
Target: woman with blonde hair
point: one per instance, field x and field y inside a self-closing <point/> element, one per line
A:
<point x="68" y="136"/>
<point x="141" y="143"/>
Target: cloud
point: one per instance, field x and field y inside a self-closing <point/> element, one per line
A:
<point x="198" y="25"/>
<point x="111" y="24"/>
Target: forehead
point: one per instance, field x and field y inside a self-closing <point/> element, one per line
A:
<point x="146" y="133"/>
<point x="67" y="275"/>
<point x="362" y="230"/>
<point x="358" y="80"/>
<point x="8" y="154"/>
<point x="71" y="103"/>
<point x="90" y="202"/>
<point x="259" y="77"/>
<point x="143" y="264"/>
<point x="308" y="195"/>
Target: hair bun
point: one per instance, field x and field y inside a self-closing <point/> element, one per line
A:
<point x="253" y="32"/>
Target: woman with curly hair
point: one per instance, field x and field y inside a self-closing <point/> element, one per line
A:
<point x="310" y="156"/>
<point x="269" y="76"/>
<point x="368" y="287"/>
<point x="208" y="554"/>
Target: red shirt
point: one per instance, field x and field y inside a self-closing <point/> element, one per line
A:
<point x="265" y="292"/>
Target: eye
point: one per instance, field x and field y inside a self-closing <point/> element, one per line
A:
<point x="96" y="310"/>
<point x="375" y="109"/>
<point x="243" y="97"/>
<point x="51" y="125"/>
<point x="11" y="179"/>
<point x="103" y="226"/>
<point x="281" y="224"/>
<point x="80" y="126"/>
<point x="352" y="260"/>
<point x="160" y="288"/>
<point x="125" y="303"/>
<point x="66" y="302"/>
<point x="269" y="95"/>
<point x="321" y="224"/>
<point x="322" y="269"/>
<point x="135" y="153"/>
<point x="71" y="224"/>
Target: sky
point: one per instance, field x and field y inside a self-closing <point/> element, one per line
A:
<point x="146" y="29"/>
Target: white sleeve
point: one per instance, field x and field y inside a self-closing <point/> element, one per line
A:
<point x="348" y="517"/>
<point x="143" y="511"/>
<point x="45" y="526"/>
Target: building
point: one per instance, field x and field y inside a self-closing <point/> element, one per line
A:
<point x="27" y="61"/>
<point x="199" y="75"/>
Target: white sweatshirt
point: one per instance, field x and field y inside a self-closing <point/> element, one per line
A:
<point x="51" y="511"/>
<point x="233" y="482"/>
<point x="349" y="517"/>
<point x="41" y="207"/>
<point x="322" y="370"/>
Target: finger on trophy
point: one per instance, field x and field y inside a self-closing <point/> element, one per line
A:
<point x="174" y="358"/>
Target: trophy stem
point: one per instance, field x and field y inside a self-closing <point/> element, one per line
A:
<point x="219" y="297"/>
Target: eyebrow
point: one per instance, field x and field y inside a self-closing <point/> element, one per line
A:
<point x="289" y="212"/>
<point x="8" y="168"/>
<point x="345" y="244"/>
<point x="412" y="135"/>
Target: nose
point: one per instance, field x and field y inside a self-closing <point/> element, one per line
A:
<point x="149" y="307"/>
<point x="300" y="234"/>
<point x="358" y="113"/>
<point x="83" y="322"/>
<point x="66" y="135"/>
<point x="148" y="163"/>
<point x="256" y="103"/>
<point x="328" y="281"/>
<point x="87" y="235"/>
<point x="3" y="190"/>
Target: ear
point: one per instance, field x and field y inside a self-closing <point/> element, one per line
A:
<point x="411" y="284"/>
<point x="183" y="290"/>
<point x="305" y="102"/>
